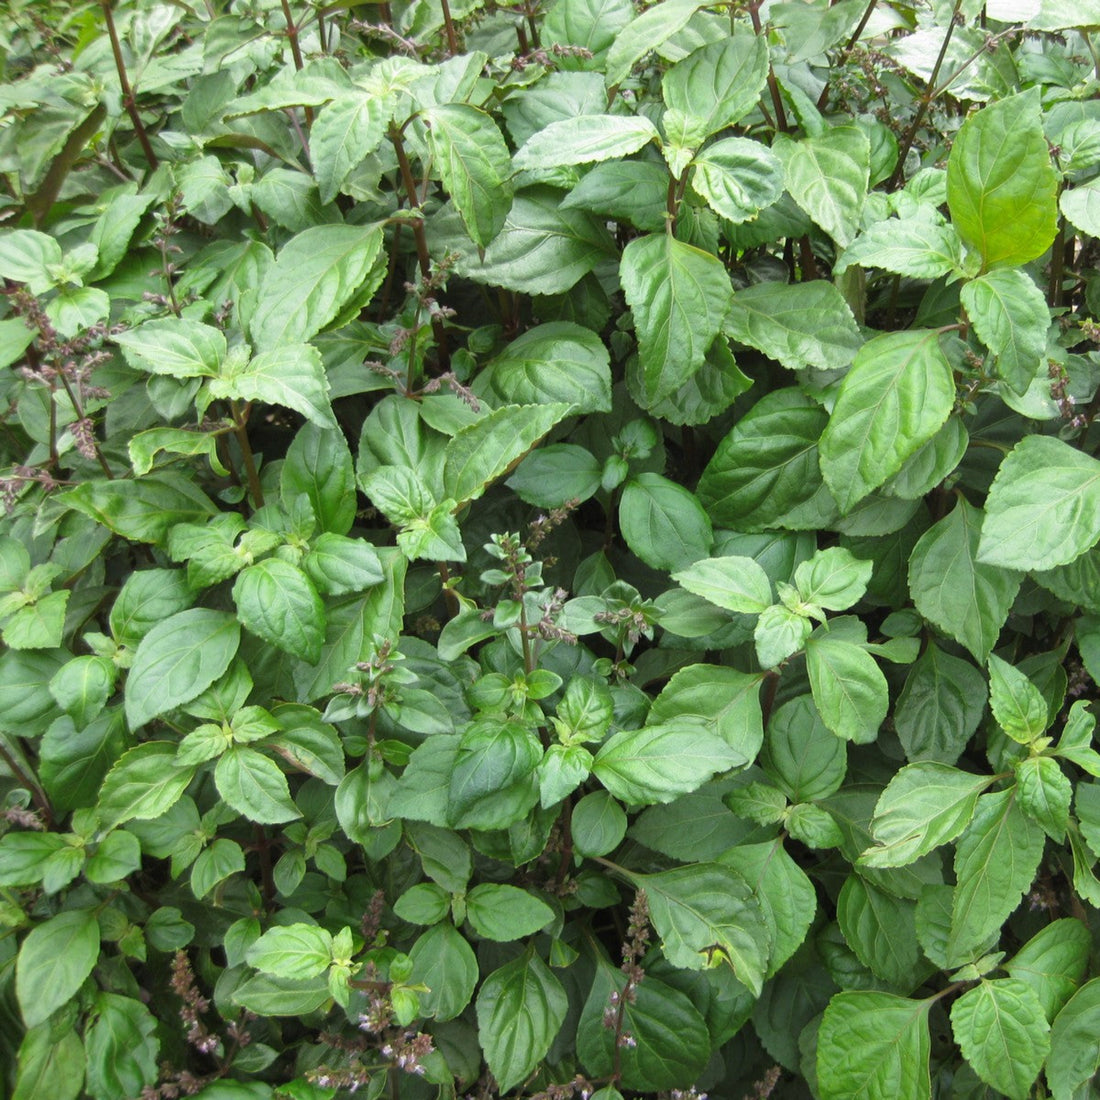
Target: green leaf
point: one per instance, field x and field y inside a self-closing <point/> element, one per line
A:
<point x="1002" y="1032"/>
<point x="1017" y="704"/>
<point x="266" y="995"/>
<point x="585" y="139"/>
<point x="828" y="175"/>
<point x="995" y="862"/>
<point x="214" y="865"/>
<point x="27" y="256"/>
<point x="1081" y="206"/>
<point x="881" y="930"/>
<point x="718" y="84"/>
<point x="50" y="1065"/>
<point x="801" y="325"/>
<point x="833" y="579"/>
<point x="148" y="597"/>
<point x="177" y="660"/>
<point x="316" y="273"/>
<point x="174" y="346"/>
<point x="116" y="858"/>
<point x="1045" y="794"/>
<point x="143" y="785"/>
<point x="1053" y="962"/>
<point x="337" y="565"/>
<point x="706" y="915"/>
<point x="646" y="32"/>
<point x="1075" y="1043"/>
<point x="347" y="131"/>
<point x="924" y="805"/>
<point x="735" y="583"/>
<point x="1043" y="509"/>
<point x="802" y="755"/>
<point x="292" y="375"/>
<point x="659" y="762"/>
<point x="1011" y="317"/>
<point x="920" y="245"/>
<point x="598" y="824"/>
<point x="1001" y="186"/>
<point x="144" y="447"/>
<point x="849" y="688"/>
<point x="737" y="177"/>
<point x="474" y="165"/>
<point x="503" y="913"/>
<point x="940" y="706"/>
<point x="897" y="395"/>
<point x="39" y="625"/>
<point x="663" y="523"/>
<point x="292" y="951"/>
<point x="444" y="962"/>
<point x="254" y="786"/>
<point x="558" y="361"/>
<point x="552" y="475"/>
<point x="874" y="1046"/>
<point x="520" y="1009"/>
<point x="966" y="599"/>
<point x="121" y="1047"/>
<point x="493" y="756"/>
<point x="54" y="959"/>
<point x="766" y="472"/>
<point x="318" y="463"/>
<point x="276" y="601"/>
<point x="780" y="633"/>
<point x="490" y="447"/>
<point x="679" y="296"/>
<point x="590" y="24"/>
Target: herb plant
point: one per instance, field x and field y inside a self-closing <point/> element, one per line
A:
<point x="550" y="550"/>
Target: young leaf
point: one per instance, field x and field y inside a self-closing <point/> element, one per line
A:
<point x="1045" y="794"/>
<point x="1017" y="704"/>
<point x="254" y="786"/>
<point x="1001" y="186"/>
<point x="849" y="689"/>
<point x="520" y="1008"/>
<point x="833" y="579"/>
<point x="1002" y="1032"/>
<point x="291" y="375"/>
<point x="679" y="296"/>
<point x="735" y="583"/>
<point x="898" y="393"/>
<point x="874" y="1046"/>
<point x="292" y="951"/>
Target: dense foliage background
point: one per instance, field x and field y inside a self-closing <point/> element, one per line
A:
<point x="550" y="550"/>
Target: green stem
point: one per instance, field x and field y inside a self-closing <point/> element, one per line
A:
<point x="240" y="422"/>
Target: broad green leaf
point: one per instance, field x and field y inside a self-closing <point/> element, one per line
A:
<point x="348" y="130"/>
<point x="995" y="862"/>
<point x="143" y="509"/>
<point x="828" y="175"/>
<point x="874" y="1046"/>
<point x="551" y="475"/>
<point x="339" y="565"/>
<point x="800" y="325"/>
<point x="121" y="1047"/>
<point x="145" y="446"/>
<point x="940" y="706"/>
<point x="718" y="84"/>
<point x="276" y="601"/>
<point x="1053" y="962"/>
<point x="849" y="689"/>
<point x="1081" y="206"/>
<point x="634" y="191"/>
<point x="924" y="805"/>
<point x="292" y="375"/>
<point x="316" y="273"/>
<point x="966" y="599"/>
<point x="544" y="247"/>
<point x="833" y="579"/>
<point x="646" y="32"/>
<point x="444" y="962"/>
<point x="491" y="446"/>
<point x="710" y="391"/>
<point x="1077" y="582"/>
<point x="1001" y="186"/>
<point x="27" y="256"/>
<point x="254" y="786"/>
<point x="920" y="245"/>
<point x="492" y="756"/>
<point x="520" y="1009"/>
<point x="1017" y="704"/>
<point x="663" y="523"/>
<point x="1002" y="1032"/>
<point x="292" y="951"/>
<point x="706" y="915"/>
<point x="898" y="393"/>
<point x="1044" y="793"/>
<point x="1044" y="507"/>
<point x="585" y="139"/>
<point x="679" y="296"/>
<point x="735" y="583"/>
<point x="318" y="463"/>
<point x="362" y="801"/>
<point x="780" y="633"/>
<point x="1075" y="1043"/>
<point x="501" y="912"/>
<point x="174" y="346"/>
<point x="657" y="763"/>
<point x="558" y="361"/>
<point x="802" y="755"/>
<point x="1011" y="317"/>
<point x="590" y="24"/>
<point x="142" y="785"/>
<point x="474" y="165"/>
<point x="598" y="824"/>
<point x="266" y="995"/>
<point x="177" y="660"/>
<point x="49" y="1066"/>
<point x="736" y="177"/>
<point x="880" y="929"/>
<point x="765" y="473"/>
<point x="54" y="959"/>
